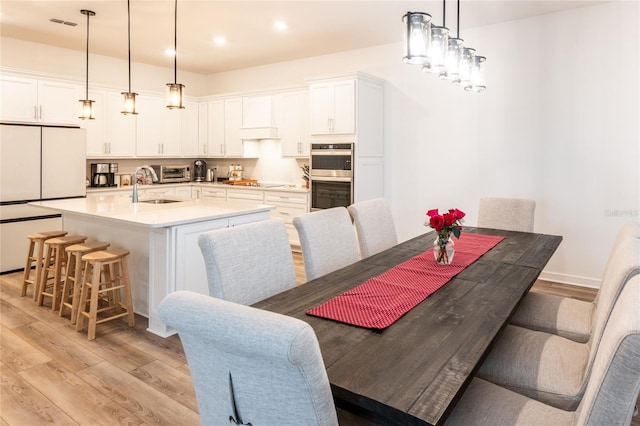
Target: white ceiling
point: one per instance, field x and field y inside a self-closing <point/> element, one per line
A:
<point x="314" y="27"/>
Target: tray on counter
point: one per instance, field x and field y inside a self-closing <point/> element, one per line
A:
<point x="243" y="182"/>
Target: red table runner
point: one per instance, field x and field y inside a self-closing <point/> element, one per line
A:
<point x="380" y="301"/>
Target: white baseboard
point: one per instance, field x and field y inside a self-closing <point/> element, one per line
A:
<point x="570" y="279"/>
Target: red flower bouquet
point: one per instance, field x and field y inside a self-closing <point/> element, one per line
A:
<point x="445" y="224"/>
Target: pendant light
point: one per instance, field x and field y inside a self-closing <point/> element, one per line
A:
<point x="129" y="97"/>
<point x="453" y="55"/>
<point x="86" y="113"/>
<point x="438" y="46"/>
<point x="175" y="91"/>
<point x="476" y="81"/>
<point x="417" y="33"/>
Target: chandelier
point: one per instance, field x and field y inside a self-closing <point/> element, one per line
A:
<point x="175" y="91"/>
<point x="129" y="97"/>
<point x="86" y="111"/>
<point x="432" y="48"/>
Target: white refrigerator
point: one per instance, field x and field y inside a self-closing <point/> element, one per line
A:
<point x="36" y="163"/>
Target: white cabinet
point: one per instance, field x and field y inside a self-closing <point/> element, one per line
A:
<point x="183" y="192"/>
<point x="293" y="123"/>
<point x="161" y="192"/>
<point x="190" y="130"/>
<point x="210" y="192"/>
<point x="29" y="100"/>
<point x="253" y="195"/>
<point x="158" y="128"/>
<point x="257" y="111"/>
<point x="287" y="206"/>
<point x="332" y="107"/>
<point x="111" y="133"/>
<point x="224" y="119"/>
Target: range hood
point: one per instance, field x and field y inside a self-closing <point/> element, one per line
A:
<point x="258" y="133"/>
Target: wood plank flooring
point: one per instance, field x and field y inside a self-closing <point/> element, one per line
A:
<point x="51" y="374"/>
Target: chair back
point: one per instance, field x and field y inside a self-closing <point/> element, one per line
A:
<point x="248" y="263"/>
<point x="510" y="214"/>
<point x="374" y="226"/>
<point x="327" y="239"/>
<point x="628" y="230"/>
<point x="612" y="390"/>
<point x="250" y="366"/>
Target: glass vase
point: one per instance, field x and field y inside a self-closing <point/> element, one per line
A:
<point x="443" y="249"/>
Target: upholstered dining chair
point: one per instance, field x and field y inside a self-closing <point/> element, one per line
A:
<point x="374" y="225"/>
<point x="610" y="395"/>
<point x="510" y="214"/>
<point x="250" y="366"/>
<point x="553" y="369"/>
<point x="572" y="318"/>
<point x="327" y="240"/>
<point x="248" y="263"/>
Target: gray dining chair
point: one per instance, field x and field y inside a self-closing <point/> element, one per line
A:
<point x="374" y="225"/>
<point x="510" y="214"/>
<point x="250" y="366"/>
<point x="327" y="240"/>
<point x="248" y="263"/>
<point x="610" y="395"/>
<point x="568" y="317"/>
<point x="551" y="368"/>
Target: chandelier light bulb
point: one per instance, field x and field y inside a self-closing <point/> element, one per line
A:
<point x="437" y="50"/>
<point x="416" y="36"/>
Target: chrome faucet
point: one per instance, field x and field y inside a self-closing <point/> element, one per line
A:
<point x="154" y="178"/>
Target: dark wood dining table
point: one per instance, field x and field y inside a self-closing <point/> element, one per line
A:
<point x="414" y="371"/>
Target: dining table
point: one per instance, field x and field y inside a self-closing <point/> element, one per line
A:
<point x="414" y="371"/>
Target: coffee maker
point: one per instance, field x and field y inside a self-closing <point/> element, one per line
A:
<point x="103" y="174"/>
<point x="199" y="171"/>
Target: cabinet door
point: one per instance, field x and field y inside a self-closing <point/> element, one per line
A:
<point x="320" y="109"/>
<point x="121" y="128"/>
<point x="257" y="111"/>
<point x="344" y="107"/>
<point x="291" y="125"/>
<point x="190" y="130"/>
<point x="171" y="138"/>
<point x="20" y="162"/>
<point x="232" y="124"/>
<point x="59" y="102"/>
<point x="149" y="128"/>
<point x="215" y="128"/>
<point x="97" y="128"/>
<point x="19" y="100"/>
<point x="183" y="192"/>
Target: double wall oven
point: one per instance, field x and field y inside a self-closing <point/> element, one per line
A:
<point x="331" y="173"/>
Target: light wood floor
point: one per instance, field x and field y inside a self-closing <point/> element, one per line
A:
<point x="51" y="374"/>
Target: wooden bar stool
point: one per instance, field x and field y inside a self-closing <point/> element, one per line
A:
<point x="73" y="275"/>
<point x="105" y="274"/>
<point x="38" y="240"/>
<point x="55" y="260"/>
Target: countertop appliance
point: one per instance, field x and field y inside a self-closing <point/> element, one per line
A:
<point x="36" y="163"/>
<point x="103" y="174"/>
<point x="331" y="175"/>
<point x="199" y="170"/>
<point x="173" y="173"/>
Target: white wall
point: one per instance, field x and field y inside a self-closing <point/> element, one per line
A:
<point x="558" y="123"/>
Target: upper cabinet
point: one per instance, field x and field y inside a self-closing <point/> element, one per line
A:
<point x="28" y="100"/>
<point x="158" y="128"/>
<point x="332" y="107"/>
<point x="224" y="120"/>
<point x="257" y="111"/>
<point x="111" y="133"/>
<point x="293" y="123"/>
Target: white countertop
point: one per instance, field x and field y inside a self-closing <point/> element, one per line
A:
<point x="266" y="187"/>
<point x="121" y="209"/>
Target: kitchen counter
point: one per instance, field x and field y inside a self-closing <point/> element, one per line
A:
<point x="162" y="240"/>
<point x="120" y="209"/>
<point x="265" y="187"/>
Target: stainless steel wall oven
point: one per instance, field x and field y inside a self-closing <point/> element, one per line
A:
<point x="331" y="175"/>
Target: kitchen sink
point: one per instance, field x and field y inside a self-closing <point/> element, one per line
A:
<point x="161" y="201"/>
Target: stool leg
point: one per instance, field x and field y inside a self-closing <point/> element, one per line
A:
<point x="93" y="304"/>
<point x="57" y="279"/>
<point x="39" y="266"/>
<point x="69" y="284"/>
<point x="127" y="292"/>
<point x="84" y="293"/>
<point x="77" y="287"/>
<point x="44" y="275"/>
<point x="27" y="270"/>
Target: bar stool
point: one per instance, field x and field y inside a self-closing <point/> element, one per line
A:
<point x="54" y="261"/>
<point x="73" y="275"/>
<point x="105" y="274"/>
<point x="38" y="240"/>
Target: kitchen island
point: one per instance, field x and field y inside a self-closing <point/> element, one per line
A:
<point x="162" y="239"/>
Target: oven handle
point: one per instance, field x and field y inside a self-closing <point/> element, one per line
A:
<point x="331" y="179"/>
<point x="323" y="152"/>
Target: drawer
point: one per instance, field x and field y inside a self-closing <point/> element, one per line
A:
<point x="271" y="197"/>
<point x="234" y="194"/>
<point x="287" y="212"/>
<point x="213" y="193"/>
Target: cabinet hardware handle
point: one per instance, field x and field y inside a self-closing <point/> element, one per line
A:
<point x="109" y="148"/>
<point x="40" y="112"/>
<point x="284" y="213"/>
<point x="221" y="148"/>
<point x="35" y="112"/>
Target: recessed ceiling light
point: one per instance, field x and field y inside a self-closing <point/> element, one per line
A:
<point x="280" y="25"/>
<point x="169" y="52"/>
<point x="220" y="40"/>
<point x="61" y="21"/>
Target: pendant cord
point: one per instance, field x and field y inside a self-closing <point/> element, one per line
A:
<point x="444" y="13"/>
<point x="458" y="23"/>
<point x="175" y="44"/>
<point x="87" y="71"/>
<point x="129" y="39"/>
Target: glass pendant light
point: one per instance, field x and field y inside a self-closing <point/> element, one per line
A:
<point x="86" y="111"/>
<point x="477" y="82"/>
<point x="175" y="91"/>
<point x="464" y="69"/>
<point x="453" y="54"/>
<point x="129" y="97"/>
<point x="438" y="46"/>
<point x="417" y="34"/>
